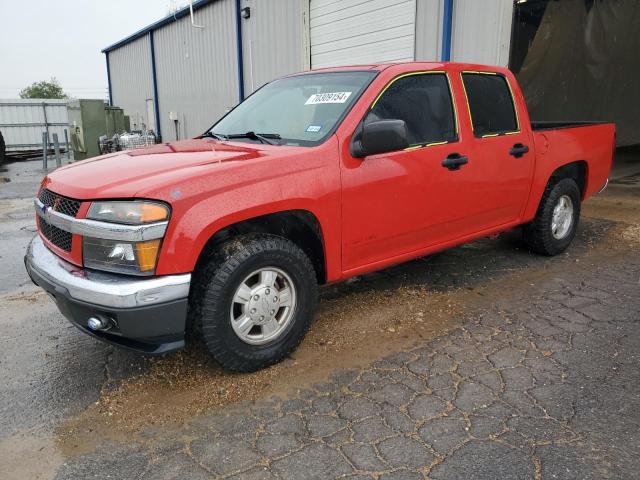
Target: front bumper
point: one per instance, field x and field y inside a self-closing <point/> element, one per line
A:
<point x="146" y="315"/>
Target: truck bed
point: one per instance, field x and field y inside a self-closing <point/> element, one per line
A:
<point x="554" y="125"/>
<point x="560" y="143"/>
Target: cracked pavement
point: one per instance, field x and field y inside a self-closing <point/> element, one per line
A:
<point x="538" y="380"/>
<point x="546" y="388"/>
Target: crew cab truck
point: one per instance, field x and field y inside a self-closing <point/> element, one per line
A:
<point x="314" y="178"/>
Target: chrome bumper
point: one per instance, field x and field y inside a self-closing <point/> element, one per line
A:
<point x="103" y="289"/>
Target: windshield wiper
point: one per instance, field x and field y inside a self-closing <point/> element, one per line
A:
<point x="262" y="137"/>
<point x="217" y="136"/>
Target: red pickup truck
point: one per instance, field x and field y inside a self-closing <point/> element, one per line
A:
<point x="314" y="178"/>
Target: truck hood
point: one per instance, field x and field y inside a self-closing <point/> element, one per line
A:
<point x="124" y="174"/>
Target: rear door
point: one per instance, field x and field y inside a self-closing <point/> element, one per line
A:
<point x="503" y="149"/>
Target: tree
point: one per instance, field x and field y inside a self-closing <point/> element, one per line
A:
<point x="44" y="89"/>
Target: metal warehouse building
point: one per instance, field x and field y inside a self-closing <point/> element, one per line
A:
<point x="179" y="75"/>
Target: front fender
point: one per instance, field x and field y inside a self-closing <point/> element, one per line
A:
<point x="194" y="222"/>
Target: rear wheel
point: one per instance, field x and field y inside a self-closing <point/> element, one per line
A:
<point x="254" y="300"/>
<point x="555" y="224"/>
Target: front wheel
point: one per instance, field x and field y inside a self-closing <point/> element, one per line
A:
<point x="556" y="222"/>
<point x="254" y="300"/>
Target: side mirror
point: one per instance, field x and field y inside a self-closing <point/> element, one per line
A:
<point x="379" y="137"/>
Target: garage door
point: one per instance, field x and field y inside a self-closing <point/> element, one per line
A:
<point x="347" y="32"/>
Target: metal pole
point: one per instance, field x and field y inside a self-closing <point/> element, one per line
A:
<point x="66" y="144"/>
<point x="106" y="56"/>
<point x="154" y="79"/>
<point x="45" y="141"/>
<point x="447" y="29"/>
<point x="239" y="52"/>
<point x="56" y="149"/>
<point x="46" y="122"/>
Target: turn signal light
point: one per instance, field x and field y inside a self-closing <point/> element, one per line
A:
<point x="147" y="254"/>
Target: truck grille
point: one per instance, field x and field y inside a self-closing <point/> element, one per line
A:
<point x="58" y="203"/>
<point x="59" y="238"/>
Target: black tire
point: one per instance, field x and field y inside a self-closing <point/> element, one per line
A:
<point x="215" y="285"/>
<point x="538" y="234"/>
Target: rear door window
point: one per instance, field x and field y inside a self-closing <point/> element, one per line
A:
<point x="490" y="103"/>
<point x="423" y="101"/>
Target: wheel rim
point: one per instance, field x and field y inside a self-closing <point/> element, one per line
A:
<point x="263" y="306"/>
<point x="562" y="218"/>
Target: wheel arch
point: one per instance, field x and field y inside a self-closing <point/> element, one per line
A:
<point x="300" y="226"/>
<point x="577" y="170"/>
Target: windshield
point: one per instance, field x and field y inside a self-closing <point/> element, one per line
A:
<point x="298" y="110"/>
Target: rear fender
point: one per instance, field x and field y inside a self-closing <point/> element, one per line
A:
<point x="561" y="151"/>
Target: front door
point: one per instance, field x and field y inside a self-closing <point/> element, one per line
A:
<point x="399" y="202"/>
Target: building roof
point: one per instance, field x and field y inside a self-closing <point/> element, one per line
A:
<point x="183" y="12"/>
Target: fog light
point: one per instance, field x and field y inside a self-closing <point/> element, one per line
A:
<point x="98" y="323"/>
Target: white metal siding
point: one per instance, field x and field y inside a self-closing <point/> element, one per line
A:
<point x="131" y="81"/>
<point x="482" y="31"/>
<point x="22" y="122"/>
<point x="429" y="30"/>
<point x="196" y="69"/>
<point x="347" y="32"/>
<point x="273" y="40"/>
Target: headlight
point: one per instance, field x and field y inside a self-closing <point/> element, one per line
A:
<point x="121" y="257"/>
<point x="128" y="212"/>
<point x="132" y="258"/>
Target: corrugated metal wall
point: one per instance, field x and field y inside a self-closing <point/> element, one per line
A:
<point x="429" y="30"/>
<point x="274" y="40"/>
<point x="196" y="69"/>
<point x="131" y="83"/>
<point x="482" y="31"/>
<point x="347" y="32"/>
<point x="22" y="121"/>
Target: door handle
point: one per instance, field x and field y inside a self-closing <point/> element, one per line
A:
<point x="518" y="150"/>
<point x="455" y="161"/>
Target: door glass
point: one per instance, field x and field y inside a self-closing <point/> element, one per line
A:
<point x="424" y="102"/>
<point x="490" y="104"/>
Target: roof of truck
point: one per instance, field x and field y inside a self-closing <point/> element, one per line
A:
<point x="420" y="64"/>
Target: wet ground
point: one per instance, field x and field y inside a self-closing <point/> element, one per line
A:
<point x="481" y="362"/>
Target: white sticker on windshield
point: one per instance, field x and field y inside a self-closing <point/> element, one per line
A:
<point x="332" y="97"/>
<point x="314" y="128"/>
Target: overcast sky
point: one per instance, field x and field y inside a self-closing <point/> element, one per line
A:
<point x="40" y="39"/>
